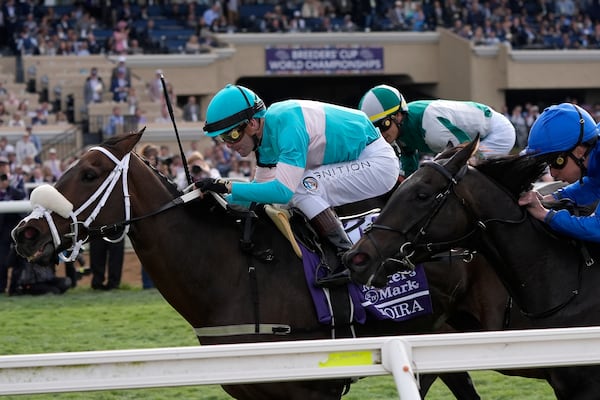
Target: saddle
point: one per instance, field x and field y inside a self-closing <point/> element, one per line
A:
<point x="295" y="227"/>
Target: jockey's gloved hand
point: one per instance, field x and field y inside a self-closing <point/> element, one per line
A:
<point x="214" y="185"/>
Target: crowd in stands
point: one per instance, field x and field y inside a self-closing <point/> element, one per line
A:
<point x="29" y="27"/>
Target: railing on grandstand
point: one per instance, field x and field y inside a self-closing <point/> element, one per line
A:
<point x="66" y="144"/>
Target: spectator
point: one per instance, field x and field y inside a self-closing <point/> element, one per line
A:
<point x="40" y="118"/>
<point x="115" y="124"/>
<point x="163" y="118"/>
<point x="36" y="141"/>
<point x="3" y="146"/>
<point x="35" y="279"/>
<point x="232" y="12"/>
<point x="85" y="25"/>
<point x="4" y="114"/>
<point x="60" y="118"/>
<point x="146" y="37"/>
<point x="193" y="46"/>
<point x="93" y="89"/>
<point x="135" y="48"/>
<point x="199" y="168"/>
<point x="155" y="88"/>
<point x="16" y="120"/>
<point x="311" y="9"/>
<point x="26" y="43"/>
<point x="94" y="47"/>
<point x="8" y="221"/>
<point x="242" y="168"/>
<point x="53" y="164"/>
<point x="119" y="87"/>
<point x="121" y="67"/>
<point x="518" y="121"/>
<point x="191" y="110"/>
<point x="25" y="148"/>
<point x="120" y="42"/>
<point x="82" y="49"/>
<point x="132" y="100"/>
<point x="140" y="117"/>
<point x="212" y="13"/>
<point x="106" y="262"/>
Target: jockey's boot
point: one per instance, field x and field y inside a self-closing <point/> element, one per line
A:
<point x="329" y="227"/>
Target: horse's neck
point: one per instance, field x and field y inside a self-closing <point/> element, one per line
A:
<point x="537" y="268"/>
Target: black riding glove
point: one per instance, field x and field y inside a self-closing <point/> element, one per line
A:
<point x="214" y="185"/>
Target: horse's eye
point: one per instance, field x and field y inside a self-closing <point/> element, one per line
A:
<point x="89" y="176"/>
<point x="422" y="196"/>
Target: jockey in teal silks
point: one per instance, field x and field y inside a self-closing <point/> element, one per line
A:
<point x="568" y="134"/>
<point x="310" y="155"/>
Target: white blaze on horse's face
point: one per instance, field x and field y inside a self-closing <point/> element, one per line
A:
<point x="47" y="197"/>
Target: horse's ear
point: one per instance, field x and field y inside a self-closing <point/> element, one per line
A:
<point x="463" y="155"/>
<point x="131" y="140"/>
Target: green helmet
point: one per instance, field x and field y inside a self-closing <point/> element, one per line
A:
<point x="231" y="106"/>
<point x="381" y="102"/>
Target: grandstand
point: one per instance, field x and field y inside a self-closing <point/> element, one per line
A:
<point x="438" y="62"/>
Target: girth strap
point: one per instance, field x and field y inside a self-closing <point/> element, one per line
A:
<point x="243" y="329"/>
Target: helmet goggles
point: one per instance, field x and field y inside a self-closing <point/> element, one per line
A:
<point x="234" y="135"/>
<point x="384" y="124"/>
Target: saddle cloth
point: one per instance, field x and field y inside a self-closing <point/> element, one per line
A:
<point x="405" y="297"/>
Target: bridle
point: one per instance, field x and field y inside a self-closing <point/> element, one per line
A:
<point x="403" y="257"/>
<point x="100" y="196"/>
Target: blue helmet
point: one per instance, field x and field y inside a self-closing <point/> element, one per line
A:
<point x="561" y="128"/>
<point x="231" y="106"/>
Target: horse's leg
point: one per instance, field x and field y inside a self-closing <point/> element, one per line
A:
<point x="297" y="390"/>
<point x="461" y="385"/>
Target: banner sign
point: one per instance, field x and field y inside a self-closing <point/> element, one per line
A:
<point x="323" y="60"/>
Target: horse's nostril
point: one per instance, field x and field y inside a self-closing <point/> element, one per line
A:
<point x="29" y="233"/>
<point x="360" y="259"/>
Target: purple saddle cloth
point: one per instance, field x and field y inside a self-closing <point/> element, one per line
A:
<point x="406" y="296"/>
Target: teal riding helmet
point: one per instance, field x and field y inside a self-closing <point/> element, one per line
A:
<point x="231" y="106"/>
<point x="382" y="101"/>
<point x="561" y="128"/>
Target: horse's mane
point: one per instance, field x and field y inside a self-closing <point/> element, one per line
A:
<point x="515" y="173"/>
<point x="168" y="182"/>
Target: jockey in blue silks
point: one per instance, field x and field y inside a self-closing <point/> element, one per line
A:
<point x="569" y="134"/>
<point x="310" y="155"/>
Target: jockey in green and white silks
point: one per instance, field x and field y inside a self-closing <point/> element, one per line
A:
<point x="426" y="126"/>
<point x="568" y="135"/>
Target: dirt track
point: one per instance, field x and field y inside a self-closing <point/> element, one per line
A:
<point x="132" y="275"/>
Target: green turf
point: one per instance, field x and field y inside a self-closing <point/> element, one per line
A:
<point x="84" y="320"/>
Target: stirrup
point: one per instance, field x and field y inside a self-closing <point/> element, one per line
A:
<point x="334" y="279"/>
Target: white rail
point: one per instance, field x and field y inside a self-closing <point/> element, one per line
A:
<point x="403" y="356"/>
<point x="15" y="206"/>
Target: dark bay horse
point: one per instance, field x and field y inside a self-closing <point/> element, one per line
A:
<point x="450" y="203"/>
<point x="229" y="295"/>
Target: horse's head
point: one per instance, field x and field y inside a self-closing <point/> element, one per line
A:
<point x="62" y="215"/>
<point x="439" y="207"/>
